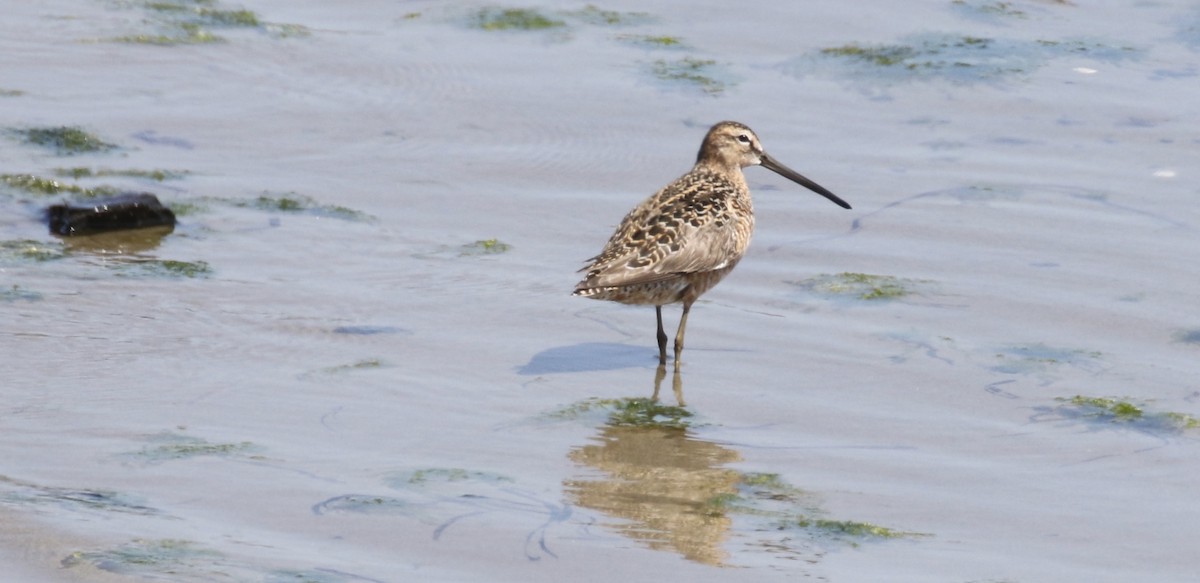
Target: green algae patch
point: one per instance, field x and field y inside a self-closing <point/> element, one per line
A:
<point x="720" y="505"/>
<point x="156" y="175"/>
<point x="770" y="485"/>
<point x="362" y="364"/>
<point x="172" y="446"/>
<point x="217" y="17"/>
<point x="40" y="185"/>
<point x="168" y="268"/>
<point x="879" y="55"/>
<point x="515" y="19"/>
<point x="534" y="20"/>
<point x="767" y="496"/>
<point x="342" y="369"/>
<point x="990" y="9"/>
<point x="1116" y="410"/>
<point x="184" y="22"/>
<point x="187" y="35"/>
<point x="594" y="15"/>
<point x="197" y="449"/>
<point x="862" y="286"/>
<point x="762" y="495"/>
<point x="428" y="476"/>
<point x="195" y="13"/>
<point x="65" y="140"/>
<point x="643" y="412"/>
<point x="296" y="203"/>
<point x="152" y="558"/>
<point x="365" y="364"/>
<point x="922" y="55"/>
<point x="1102" y="51"/>
<point x="846" y="531"/>
<point x="701" y="74"/>
<point x="438" y="474"/>
<point x="1181" y="420"/>
<point x="30" y="250"/>
<point x="628" y="412"/>
<point x="486" y="247"/>
<point x="446" y="484"/>
<point x="1039" y="358"/>
<point x="289" y="202"/>
<point x="182" y="268"/>
<point x="166" y="6"/>
<point x="480" y="248"/>
<point x="581" y="408"/>
<point x="952" y="57"/>
<point x="653" y="41"/>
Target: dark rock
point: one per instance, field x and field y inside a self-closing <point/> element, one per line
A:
<point x="119" y="213"/>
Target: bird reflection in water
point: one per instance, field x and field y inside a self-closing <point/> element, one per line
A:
<point x="666" y="487"/>
<point x="676" y="384"/>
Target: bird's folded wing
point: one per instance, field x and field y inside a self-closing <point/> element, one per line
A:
<point x="663" y="248"/>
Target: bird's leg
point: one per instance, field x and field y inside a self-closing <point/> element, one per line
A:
<point x="662" y="338"/>
<point x="687" y="307"/>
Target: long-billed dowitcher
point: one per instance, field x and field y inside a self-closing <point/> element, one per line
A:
<point x="685" y="238"/>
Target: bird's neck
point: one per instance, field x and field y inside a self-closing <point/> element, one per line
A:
<point x="728" y="171"/>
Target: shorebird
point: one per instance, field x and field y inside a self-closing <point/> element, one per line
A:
<point x="685" y="238"/>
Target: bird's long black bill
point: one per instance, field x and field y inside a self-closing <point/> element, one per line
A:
<point x="774" y="166"/>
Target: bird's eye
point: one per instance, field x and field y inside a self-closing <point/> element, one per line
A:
<point x="743" y="138"/>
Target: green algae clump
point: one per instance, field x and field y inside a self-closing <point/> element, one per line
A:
<point x="659" y="41"/>
<point x="883" y="56"/>
<point x="697" y="72"/>
<point x="1126" y="411"/>
<point x="486" y="247"/>
<point x="30" y="250"/>
<point x="863" y="286"/>
<point x="32" y="184"/>
<point x="85" y="172"/>
<point x="848" y="529"/>
<point x="514" y="19"/>
<point x="67" y="140"/>
<point x="630" y="412"/>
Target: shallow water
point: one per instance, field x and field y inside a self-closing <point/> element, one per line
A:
<point x="336" y="380"/>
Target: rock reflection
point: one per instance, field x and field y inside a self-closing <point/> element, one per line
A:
<point x="119" y="243"/>
<point x="668" y="485"/>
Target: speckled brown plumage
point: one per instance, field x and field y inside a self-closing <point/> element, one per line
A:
<point x="685" y="238"/>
